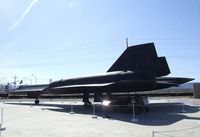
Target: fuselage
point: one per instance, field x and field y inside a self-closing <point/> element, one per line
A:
<point x="118" y="81"/>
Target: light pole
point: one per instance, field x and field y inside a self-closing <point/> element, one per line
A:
<point x="35" y="78"/>
<point x="15" y="80"/>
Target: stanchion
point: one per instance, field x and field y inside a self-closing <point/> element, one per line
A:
<point x="133" y="119"/>
<point x="42" y="104"/>
<point x="153" y="132"/>
<point x="94" y="114"/>
<point x="183" y="107"/>
<point x="1" y="124"/>
<point x="72" y="109"/>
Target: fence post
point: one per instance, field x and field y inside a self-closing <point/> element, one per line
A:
<point x="133" y="119"/>
<point x="94" y="113"/>
<point x="72" y="110"/>
<point x="183" y="107"/>
<point x="153" y="133"/>
<point x="1" y="124"/>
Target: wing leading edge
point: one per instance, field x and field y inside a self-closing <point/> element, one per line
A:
<point x="29" y="89"/>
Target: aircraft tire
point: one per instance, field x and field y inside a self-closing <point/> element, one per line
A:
<point x="37" y="102"/>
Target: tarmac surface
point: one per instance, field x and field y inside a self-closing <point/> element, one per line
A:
<point x="174" y="117"/>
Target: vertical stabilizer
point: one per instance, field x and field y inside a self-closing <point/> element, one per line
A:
<point x="162" y="68"/>
<point x="141" y="58"/>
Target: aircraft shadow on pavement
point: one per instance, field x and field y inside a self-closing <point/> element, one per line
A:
<point x="159" y="114"/>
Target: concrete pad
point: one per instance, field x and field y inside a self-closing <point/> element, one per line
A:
<point x="53" y="119"/>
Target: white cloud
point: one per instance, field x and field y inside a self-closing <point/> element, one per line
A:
<point x="24" y="14"/>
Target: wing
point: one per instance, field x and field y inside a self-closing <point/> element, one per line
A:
<point x="29" y="89"/>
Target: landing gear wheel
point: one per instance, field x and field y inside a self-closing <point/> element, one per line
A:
<point x="37" y="101"/>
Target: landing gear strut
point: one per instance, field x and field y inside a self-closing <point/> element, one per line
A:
<point x="141" y="104"/>
<point x="86" y="101"/>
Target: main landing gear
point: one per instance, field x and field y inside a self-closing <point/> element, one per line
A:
<point x="37" y="101"/>
<point x="34" y="95"/>
<point x="126" y="103"/>
<point x="86" y="101"/>
<point x="141" y="104"/>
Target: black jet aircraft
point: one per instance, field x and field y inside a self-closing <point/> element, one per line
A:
<point x="138" y="69"/>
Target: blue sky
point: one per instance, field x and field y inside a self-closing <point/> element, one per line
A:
<point x="69" y="38"/>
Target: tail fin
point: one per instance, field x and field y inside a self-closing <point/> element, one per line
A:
<point x="142" y="58"/>
<point x="162" y="68"/>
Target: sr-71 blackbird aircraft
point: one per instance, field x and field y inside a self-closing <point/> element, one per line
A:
<point x="137" y="69"/>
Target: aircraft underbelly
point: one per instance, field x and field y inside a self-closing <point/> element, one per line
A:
<point x="134" y="86"/>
